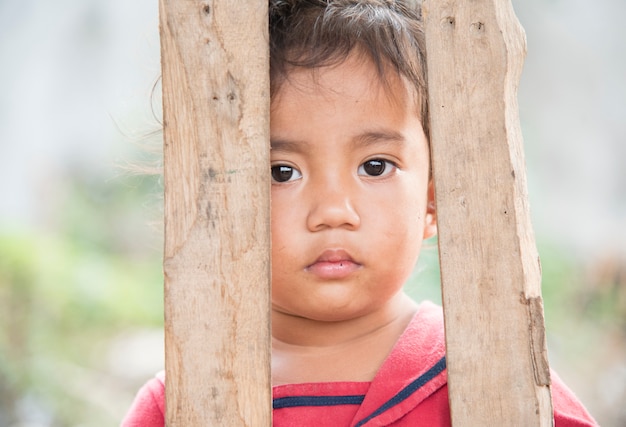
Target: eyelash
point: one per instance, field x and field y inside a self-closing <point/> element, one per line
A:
<point x="285" y="173"/>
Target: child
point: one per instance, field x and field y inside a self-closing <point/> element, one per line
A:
<point x="352" y="201"/>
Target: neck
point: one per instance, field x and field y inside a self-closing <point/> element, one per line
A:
<point x="299" y="331"/>
<point x="305" y="350"/>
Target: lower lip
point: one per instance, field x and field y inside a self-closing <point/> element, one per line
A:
<point x="333" y="270"/>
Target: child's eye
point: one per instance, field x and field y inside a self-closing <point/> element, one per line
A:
<point x="284" y="173"/>
<point x="376" y="167"/>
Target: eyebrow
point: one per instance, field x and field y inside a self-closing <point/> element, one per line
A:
<point x="379" y="136"/>
<point x="287" y="145"/>
<point x="363" y="139"/>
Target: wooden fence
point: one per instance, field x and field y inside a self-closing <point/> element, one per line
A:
<point x="217" y="245"/>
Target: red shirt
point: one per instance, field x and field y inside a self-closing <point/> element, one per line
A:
<point x="409" y="389"/>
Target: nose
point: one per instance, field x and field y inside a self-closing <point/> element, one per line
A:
<point x="332" y="207"/>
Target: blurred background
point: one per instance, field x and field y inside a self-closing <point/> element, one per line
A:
<point x="80" y="236"/>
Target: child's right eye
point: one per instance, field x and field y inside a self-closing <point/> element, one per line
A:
<point x="284" y="173"/>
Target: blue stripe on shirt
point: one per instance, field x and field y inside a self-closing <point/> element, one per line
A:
<point x="293" y="401"/>
<point x="408" y="390"/>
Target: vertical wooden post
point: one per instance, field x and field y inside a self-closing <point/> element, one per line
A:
<point x="217" y="261"/>
<point x="498" y="372"/>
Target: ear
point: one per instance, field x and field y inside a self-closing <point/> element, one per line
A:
<point x="430" y="221"/>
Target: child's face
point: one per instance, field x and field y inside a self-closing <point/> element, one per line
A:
<point x="351" y="200"/>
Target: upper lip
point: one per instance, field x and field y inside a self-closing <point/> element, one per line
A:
<point x="334" y="255"/>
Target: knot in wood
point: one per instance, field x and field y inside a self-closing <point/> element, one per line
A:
<point x="448" y="22"/>
<point x="477" y="27"/>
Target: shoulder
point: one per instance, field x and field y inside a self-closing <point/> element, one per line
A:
<point x="426" y="338"/>
<point x="148" y="408"/>
<point x="568" y="410"/>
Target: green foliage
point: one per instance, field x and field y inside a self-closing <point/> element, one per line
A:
<point x="424" y="284"/>
<point x="64" y="293"/>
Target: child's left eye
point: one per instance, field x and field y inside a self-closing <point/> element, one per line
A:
<point x="376" y="167"/>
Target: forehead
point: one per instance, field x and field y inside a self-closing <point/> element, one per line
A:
<point x="354" y="77"/>
<point x="346" y="102"/>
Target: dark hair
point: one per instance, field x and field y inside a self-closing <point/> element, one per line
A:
<point x="318" y="33"/>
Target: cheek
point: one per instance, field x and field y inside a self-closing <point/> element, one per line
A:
<point x="407" y="207"/>
<point x="285" y="236"/>
<point x="281" y="220"/>
<point x="405" y="222"/>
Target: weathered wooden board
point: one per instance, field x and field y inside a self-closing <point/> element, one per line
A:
<point x="217" y="261"/>
<point x="497" y="365"/>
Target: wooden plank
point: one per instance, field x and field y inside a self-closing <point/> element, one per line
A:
<point x="216" y="127"/>
<point x="498" y="372"/>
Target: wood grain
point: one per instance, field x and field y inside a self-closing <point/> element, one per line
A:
<point x="497" y="365"/>
<point x="217" y="261"/>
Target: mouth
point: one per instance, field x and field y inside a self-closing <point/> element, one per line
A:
<point x="333" y="265"/>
